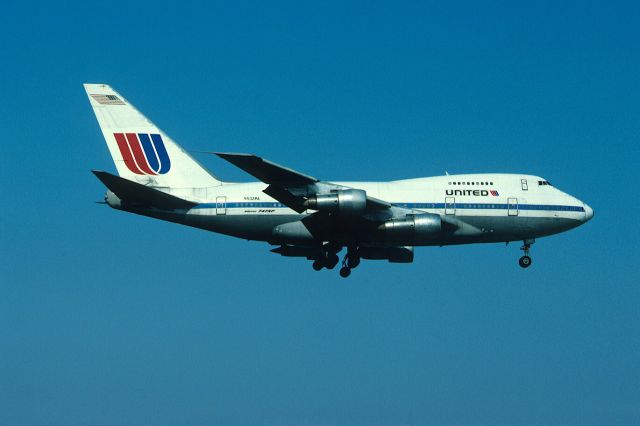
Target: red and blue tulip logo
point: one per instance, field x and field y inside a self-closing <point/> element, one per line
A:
<point x="143" y="153"/>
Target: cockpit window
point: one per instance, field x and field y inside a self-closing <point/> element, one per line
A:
<point x="544" y="182"/>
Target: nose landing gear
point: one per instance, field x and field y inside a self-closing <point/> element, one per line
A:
<point x="525" y="261"/>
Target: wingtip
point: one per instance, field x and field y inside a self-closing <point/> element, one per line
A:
<point x="232" y="154"/>
<point x="234" y="157"/>
<point x="93" y="87"/>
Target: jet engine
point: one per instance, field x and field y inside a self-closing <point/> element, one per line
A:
<point x="348" y="201"/>
<point x="412" y="228"/>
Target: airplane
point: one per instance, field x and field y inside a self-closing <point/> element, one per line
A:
<point x="316" y="219"/>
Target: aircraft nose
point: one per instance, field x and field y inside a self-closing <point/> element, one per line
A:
<point x="588" y="212"/>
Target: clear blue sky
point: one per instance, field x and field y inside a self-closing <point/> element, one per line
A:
<point x="110" y="318"/>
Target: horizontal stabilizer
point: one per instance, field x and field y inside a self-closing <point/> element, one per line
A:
<point x="135" y="193"/>
<point x="266" y="171"/>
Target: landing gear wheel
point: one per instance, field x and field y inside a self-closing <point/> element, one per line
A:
<point x="332" y="261"/>
<point x="317" y="265"/>
<point x="525" y="261"/>
<point x="353" y="261"/>
<point x="345" y="272"/>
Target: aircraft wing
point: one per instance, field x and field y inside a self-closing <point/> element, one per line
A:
<point x="266" y="171"/>
<point x="290" y="187"/>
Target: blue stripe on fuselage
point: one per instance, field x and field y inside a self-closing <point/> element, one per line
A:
<point x="471" y="206"/>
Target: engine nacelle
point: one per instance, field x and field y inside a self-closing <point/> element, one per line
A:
<point x="412" y="228"/>
<point x="348" y="201"/>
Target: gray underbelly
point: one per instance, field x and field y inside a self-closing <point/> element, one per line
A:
<point x="248" y="227"/>
<point x="467" y="229"/>
<point x="500" y="229"/>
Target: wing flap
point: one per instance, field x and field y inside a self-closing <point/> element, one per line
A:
<point x="285" y="197"/>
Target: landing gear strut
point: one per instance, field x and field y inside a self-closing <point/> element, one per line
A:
<point x="350" y="261"/>
<point x="525" y="261"/>
<point x="329" y="259"/>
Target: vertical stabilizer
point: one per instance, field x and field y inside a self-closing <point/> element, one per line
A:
<point x="141" y="151"/>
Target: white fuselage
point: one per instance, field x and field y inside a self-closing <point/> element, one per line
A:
<point x="484" y="207"/>
<point x="372" y="220"/>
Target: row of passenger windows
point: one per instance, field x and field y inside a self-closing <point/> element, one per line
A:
<point x="471" y="183"/>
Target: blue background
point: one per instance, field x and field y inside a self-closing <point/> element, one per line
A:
<point x="110" y="318"/>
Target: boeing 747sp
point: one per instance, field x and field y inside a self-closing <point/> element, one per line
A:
<point x="316" y="219"/>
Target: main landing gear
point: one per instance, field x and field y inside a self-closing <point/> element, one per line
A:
<point x="525" y="261"/>
<point x="350" y="261"/>
<point x="329" y="259"/>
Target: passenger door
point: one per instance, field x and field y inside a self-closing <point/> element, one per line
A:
<point x="449" y="205"/>
<point x="512" y="206"/>
<point x="221" y="205"/>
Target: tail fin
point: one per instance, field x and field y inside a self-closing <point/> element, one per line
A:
<point x="141" y="151"/>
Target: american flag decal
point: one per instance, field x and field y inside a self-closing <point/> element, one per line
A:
<point x="494" y="193"/>
<point x="108" y="99"/>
